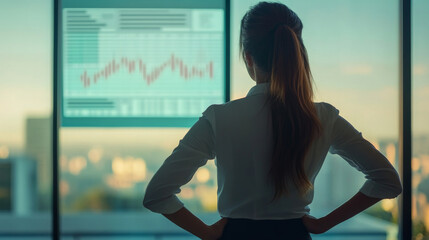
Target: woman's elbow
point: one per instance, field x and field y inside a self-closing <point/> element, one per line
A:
<point x="145" y="203"/>
<point x="399" y="189"/>
<point x="147" y="200"/>
<point x="396" y="187"/>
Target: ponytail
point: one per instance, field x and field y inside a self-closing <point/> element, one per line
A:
<point x="294" y="119"/>
<point x="271" y="34"/>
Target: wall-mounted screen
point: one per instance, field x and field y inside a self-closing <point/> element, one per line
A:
<point x="141" y="63"/>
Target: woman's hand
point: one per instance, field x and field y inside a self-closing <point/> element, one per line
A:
<point x="315" y="225"/>
<point x="216" y="230"/>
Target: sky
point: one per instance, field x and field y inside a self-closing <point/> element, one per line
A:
<point x="353" y="47"/>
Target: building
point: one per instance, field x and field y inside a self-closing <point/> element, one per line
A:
<point x="38" y="146"/>
<point x="18" y="185"/>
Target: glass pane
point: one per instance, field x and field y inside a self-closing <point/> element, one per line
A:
<point x="104" y="171"/>
<point x="420" y="115"/>
<point x="25" y="122"/>
<point x="353" y="49"/>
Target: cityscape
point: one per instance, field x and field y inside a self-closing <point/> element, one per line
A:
<point x="112" y="178"/>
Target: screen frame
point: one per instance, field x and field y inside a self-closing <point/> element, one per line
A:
<point x="132" y="122"/>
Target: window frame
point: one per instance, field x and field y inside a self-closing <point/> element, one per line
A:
<point x="405" y="140"/>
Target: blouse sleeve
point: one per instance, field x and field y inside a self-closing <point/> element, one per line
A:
<point x="382" y="179"/>
<point x="192" y="152"/>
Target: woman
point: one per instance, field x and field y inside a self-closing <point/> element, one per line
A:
<point x="270" y="145"/>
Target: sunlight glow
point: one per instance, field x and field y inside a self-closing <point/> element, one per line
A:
<point x="4" y="152"/>
<point x="203" y="175"/>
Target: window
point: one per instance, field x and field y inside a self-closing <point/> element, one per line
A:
<point x="353" y="48"/>
<point x="420" y="115"/>
<point x="25" y="110"/>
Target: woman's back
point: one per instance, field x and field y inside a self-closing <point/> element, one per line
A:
<point x="239" y="135"/>
<point x="242" y="139"/>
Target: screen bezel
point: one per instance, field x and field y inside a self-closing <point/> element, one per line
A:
<point x="135" y="121"/>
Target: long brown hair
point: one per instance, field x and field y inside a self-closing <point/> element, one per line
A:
<point x="271" y="34"/>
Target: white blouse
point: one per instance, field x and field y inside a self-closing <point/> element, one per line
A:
<point x="238" y="134"/>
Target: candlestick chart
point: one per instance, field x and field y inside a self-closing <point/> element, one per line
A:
<point x="148" y="76"/>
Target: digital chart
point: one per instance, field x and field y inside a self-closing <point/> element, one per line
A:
<point x="141" y="63"/>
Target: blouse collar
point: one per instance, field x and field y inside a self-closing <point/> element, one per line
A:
<point x="260" y="88"/>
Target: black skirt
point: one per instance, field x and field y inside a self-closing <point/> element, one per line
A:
<point x="248" y="229"/>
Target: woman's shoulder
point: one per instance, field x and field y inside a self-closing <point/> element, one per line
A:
<point x="232" y="105"/>
<point x="325" y="106"/>
<point x="326" y="111"/>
